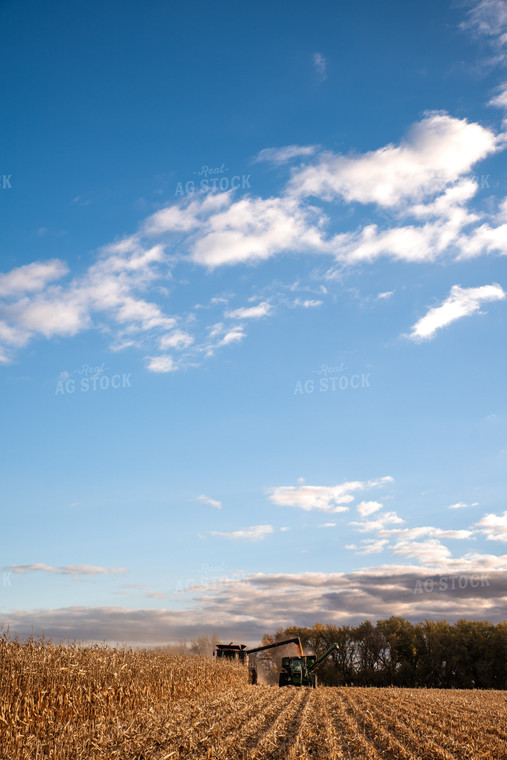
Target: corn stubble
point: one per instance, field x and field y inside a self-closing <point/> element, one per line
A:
<point x="91" y="702"/>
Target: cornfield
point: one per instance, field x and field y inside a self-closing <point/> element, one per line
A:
<point x="72" y="702"/>
<point x="83" y="702"/>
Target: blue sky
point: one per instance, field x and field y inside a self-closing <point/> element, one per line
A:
<point x="252" y="316"/>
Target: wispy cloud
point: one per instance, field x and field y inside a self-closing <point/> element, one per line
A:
<point x="369" y="546"/>
<point x="500" y="99"/>
<point x="232" y="336"/>
<point x="286" y="154"/>
<point x="411" y="533"/>
<point x="250" y="312"/>
<point x="253" y="533"/>
<point x="379" y="524"/>
<point x="461" y="303"/>
<point x="462" y="505"/>
<point x="207" y="500"/>
<point x="488" y="18"/>
<point x="308" y="303"/>
<point x="64" y="569"/>
<point x="320" y="64"/>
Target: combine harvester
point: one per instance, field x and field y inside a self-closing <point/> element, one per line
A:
<point x="296" y="671"/>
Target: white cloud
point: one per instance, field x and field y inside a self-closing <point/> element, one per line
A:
<point x="489" y="19"/>
<point x="494" y="526"/>
<point x="187" y="215"/>
<point x="255" y="229"/>
<point x="379" y="524"/>
<point x="369" y="546"/>
<point x="253" y="533"/>
<point x="212" y="502"/>
<point x="500" y="99"/>
<point x="320" y="64"/>
<point x="366" y="508"/>
<point x="323" y="498"/>
<point x="216" y="329"/>
<point x="327" y="525"/>
<point x="462" y="505"/>
<point x="233" y="336"/>
<point x="438" y="151"/>
<point x="56" y="313"/>
<point x="219" y="335"/>
<point x="286" y="154"/>
<point x="448" y="204"/>
<point x="31" y="278"/>
<point x="109" y="287"/>
<point x="411" y="533"/>
<point x="176" y="339"/>
<point x="250" y="312"/>
<point x="443" y="232"/>
<point x="13" y="336"/>
<point x="460" y="303"/>
<point x="481" y="240"/>
<point x="309" y="303"/>
<point x="421" y="177"/>
<point x="430" y="553"/>
<point x="64" y="569"/>
<point x="161" y="364"/>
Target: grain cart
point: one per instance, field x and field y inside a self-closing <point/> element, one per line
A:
<point x="231" y="652"/>
<point x="300" y="671"/>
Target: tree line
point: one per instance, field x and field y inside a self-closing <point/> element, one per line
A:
<point x="468" y="654"/>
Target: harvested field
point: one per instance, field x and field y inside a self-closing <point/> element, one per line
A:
<point x="93" y="703"/>
<point x="345" y="723"/>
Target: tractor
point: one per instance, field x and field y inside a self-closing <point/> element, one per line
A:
<point x="300" y="671"/>
<point x="252" y="669"/>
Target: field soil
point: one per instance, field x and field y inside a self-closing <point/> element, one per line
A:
<point x="258" y="723"/>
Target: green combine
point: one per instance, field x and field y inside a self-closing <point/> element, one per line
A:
<point x="300" y="671"/>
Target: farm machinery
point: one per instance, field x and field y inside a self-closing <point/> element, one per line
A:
<point x="296" y="671"/>
<point x="300" y="671"/>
